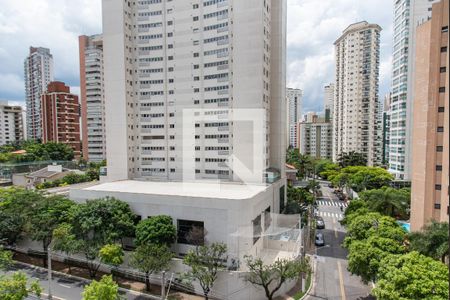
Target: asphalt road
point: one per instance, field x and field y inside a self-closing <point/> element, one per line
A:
<point x="332" y="281"/>
<point x="64" y="288"/>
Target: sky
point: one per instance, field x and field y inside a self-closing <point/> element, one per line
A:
<point x="312" y="28"/>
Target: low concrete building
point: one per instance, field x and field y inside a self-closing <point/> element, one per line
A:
<point x="291" y="174"/>
<point x="47" y="174"/>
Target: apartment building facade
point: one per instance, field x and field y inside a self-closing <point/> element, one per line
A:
<point x="92" y="98"/>
<point x="356" y="121"/>
<point x="328" y="100"/>
<point x="38" y="70"/>
<point x="316" y="137"/>
<point x="164" y="59"/>
<point x="430" y="140"/>
<point x="408" y="14"/>
<point x="294" y="103"/>
<point x="11" y="123"/>
<point x="61" y="116"/>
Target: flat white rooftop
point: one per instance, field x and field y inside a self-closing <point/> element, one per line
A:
<point x="182" y="189"/>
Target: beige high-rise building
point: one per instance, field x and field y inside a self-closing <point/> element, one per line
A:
<point x="430" y="140"/>
<point x="294" y="114"/>
<point x="163" y="59"/>
<point x="11" y="123"/>
<point x="316" y="136"/>
<point x="356" y="118"/>
<point x="92" y="97"/>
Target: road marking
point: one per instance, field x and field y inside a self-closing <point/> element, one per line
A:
<point x="341" y="281"/>
<point x="53" y="296"/>
<point x="65" y="285"/>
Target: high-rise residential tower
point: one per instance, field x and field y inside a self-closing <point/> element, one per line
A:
<point x="38" y="69"/>
<point x="408" y="14"/>
<point x="11" y="123"/>
<point x="92" y="97"/>
<point x="430" y="140"/>
<point x="356" y="122"/>
<point x="163" y="59"/>
<point x="294" y="103"/>
<point x="61" y="116"/>
<point x="328" y="100"/>
<point x="316" y="136"/>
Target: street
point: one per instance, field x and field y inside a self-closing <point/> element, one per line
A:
<point x="64" y="288"/>
<point x="331" y="279"/>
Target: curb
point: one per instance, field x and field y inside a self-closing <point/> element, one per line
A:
<point x="84" y="280"/>
<point x="313" y="281"/>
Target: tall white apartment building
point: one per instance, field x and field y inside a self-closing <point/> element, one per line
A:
<point x="163" y="59"/>
<point x="356" y="119"/>
<point x="92" y="98"/>
<point x="408" y="14"/>
<point x="328" y="100"/>
<point x="316" y="137"/>
<point x="294" y="103"/>
<point x="11" y="123"/>
<point x="38" y="69"/>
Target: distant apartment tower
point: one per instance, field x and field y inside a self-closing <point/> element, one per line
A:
<point x="294" y="99"/>
<point x="408" y="14"/>
<point x="92" y="97"/>
<point x="61" y="116"/>
<point x="430" y="141"/>
<point x="38" y="69"/>
<point x="316" y="137"/>
<point x="328" y="100"/>
<point x="163" y="57"/>
<point x="356" y="124"/>
<point x="11" y="123"/>
<point x="386" y="117"/>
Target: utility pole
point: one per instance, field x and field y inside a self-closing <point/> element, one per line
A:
<point x="49" y="263"/>
<point x="163" y="285"/>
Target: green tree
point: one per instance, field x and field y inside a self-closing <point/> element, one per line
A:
<point x="352" y="158"/>
<point x="15" y="287"/>
<point x="97" y="223"/>
<point x="156" y="230"/>
<point x="64" y="240"/>
<point x="205" y="262"/>
<point x="48" y="214"/>
<point x="328" y="170"/>
<point x="111" y="254"/>
<point x="411" y="276"/>
<point x="355" y="208"/>
<point x="105" y="289"/>
<point x="388" y="201"/>
<point x="365" y="256"/>
<point x="5" y="259"/>
<point x="363" y="178"/>
<point x="150" y="259"/>
<point x="272" y="277"/>
<point x="298" y="200"/>
<point x="431" y="241"/>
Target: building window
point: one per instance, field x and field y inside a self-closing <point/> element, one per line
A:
<point x="195" y="18"/>
<point x="441" y="109"/>
<point x="439" y="148"/>
<point x="438" y="167"/>
<point x="194" y="6"/>
<point x="437" y="206"/>
<point x="444" y="29"/>
<point x="442" y="89"/>
<point x="282" y="204"/>
<point x="442" y="69"/>
<point x="440" y="129"/>
<point x="443" y="49"/>
<point x="437" y="187"/>
<point x="190" y="232"/>
<point x="256" y="229"/>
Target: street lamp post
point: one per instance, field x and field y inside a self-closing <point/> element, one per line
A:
<point x="49" y="263"/>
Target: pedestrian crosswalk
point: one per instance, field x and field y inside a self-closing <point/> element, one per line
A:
<point x="330" y="214"/>
<point x="331" y="203"/>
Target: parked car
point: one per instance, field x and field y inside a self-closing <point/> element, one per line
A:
<point x="320" y="224"/>
<point x="319" y="240"/>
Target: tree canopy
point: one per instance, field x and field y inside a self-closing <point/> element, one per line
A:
<point x="411" y="276"/>
<point x="432" y="241"/>
<point x="352" y="158"/>
<point x="105" y="289"/>
<point x="15" y="287"/>
<point x="35" y="151"/>
<point x="156" y="230"/>
<point x="388" y="201"/>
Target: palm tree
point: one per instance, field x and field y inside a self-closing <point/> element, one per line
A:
<point x="388" y="201"/>
<point x="352" y="158"/>
<point x="431" y="241"/>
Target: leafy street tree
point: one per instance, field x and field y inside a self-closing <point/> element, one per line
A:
<point x="49" y="212"/>
<point x="150" y="259"/>
<point x="432" y="241"/>
<point x="36" y="151"/>
<point x="366" y="178"/>
<point x="111" y="254"/>
<point x="388" y="201"/>
<point x="411" y="276"/>
<point x="156" y="230"/>
<point x="352" y="158"/>
<point x="97" y="223"/>
<point x="327" y="170"/>
<point x="64" y="240"/>
<point x="205" y="262"/>
<point x="105" y="289"/>
<point x="14" y="287"/>
<point x="298" y="200"/>
<point x="300" y="161"/>
<point x="365" y="256"/>
<point x="272" y="277"/>
<point x="5" y="259"/>
<point x="355" y="208"/>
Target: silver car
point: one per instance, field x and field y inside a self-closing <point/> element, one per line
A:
<point x="319" y="239"/>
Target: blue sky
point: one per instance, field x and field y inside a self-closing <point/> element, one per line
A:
<point x="313" y="26"/>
